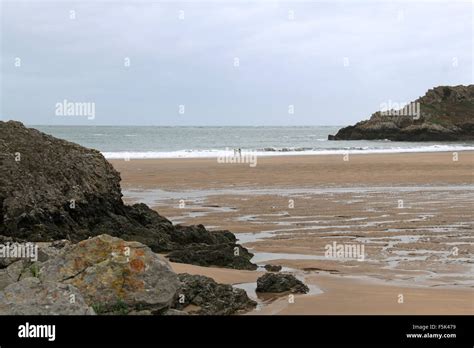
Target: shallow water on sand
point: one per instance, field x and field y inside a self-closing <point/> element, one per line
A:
<point x="419" y="238"/>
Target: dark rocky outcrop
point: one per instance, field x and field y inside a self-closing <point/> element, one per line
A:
<point x="52" y="189"/>
<point x="228" y="255"/>
<point x="278" y="282"/>
<point x="446" y="114"/>
<point x="210" y="298"/>
<point x="273" y="268"/>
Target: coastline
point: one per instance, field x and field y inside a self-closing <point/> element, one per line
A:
<point x="408" y="249"/>
<point x="285" y="152"/>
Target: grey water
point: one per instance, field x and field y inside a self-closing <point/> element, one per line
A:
<point x="175" y="142"/>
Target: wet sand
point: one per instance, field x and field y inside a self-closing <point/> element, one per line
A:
<point x="291" y="171"/>
<point x="345" y="296"/>
<point x="220" y="275"/>
<point x="411" y="212"/>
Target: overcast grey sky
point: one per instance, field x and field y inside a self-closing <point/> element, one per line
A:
<point x="335" y="62"/>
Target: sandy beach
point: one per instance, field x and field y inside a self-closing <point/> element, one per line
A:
<point x="412" y="213"/>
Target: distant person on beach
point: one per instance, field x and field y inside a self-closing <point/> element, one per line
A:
<point x="238" y="151"/>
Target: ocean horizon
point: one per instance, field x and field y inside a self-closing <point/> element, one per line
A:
<point x="214" y="141"/>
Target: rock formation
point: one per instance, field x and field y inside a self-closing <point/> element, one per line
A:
<point x="31" y="296"/>
<point x="52" y="189"/>
<point x="209" y="297"/>
<point x="111" y="272"/>
<point x="445" y="114"/>
<point x="107" y="275"/>
<point x="230" y="255"/>
<point x="279" y="282"/>
<point x="273" y="268"/>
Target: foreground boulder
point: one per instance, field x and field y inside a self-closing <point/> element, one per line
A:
<point x="210" y="298"/>
<point x="31" y="296"/>
<point x="114" y="275"/>
<point x="51" y="189"/>
<point x="445" y="114"/>
<point x="278" y="282"/>
<point x="107" y="275"/>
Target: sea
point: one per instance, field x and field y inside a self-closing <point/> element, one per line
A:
<point x="194" y="142"/>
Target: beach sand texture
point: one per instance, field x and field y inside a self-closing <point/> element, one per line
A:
<point x="412" y="213"/>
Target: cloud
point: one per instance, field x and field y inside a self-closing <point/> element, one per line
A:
<point x="289" y="53"/>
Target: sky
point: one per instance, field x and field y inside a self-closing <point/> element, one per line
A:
<point x="221" y="63"/>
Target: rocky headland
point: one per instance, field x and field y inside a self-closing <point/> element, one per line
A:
<point x="444" y="113"/>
